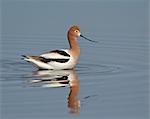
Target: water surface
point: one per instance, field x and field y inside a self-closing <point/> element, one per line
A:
<point x="112" y="75"/>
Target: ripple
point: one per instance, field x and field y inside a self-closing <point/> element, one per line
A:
<point x="93" y="69"/>
<point x="14" y="69"/>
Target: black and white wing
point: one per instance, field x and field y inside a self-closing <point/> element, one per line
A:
<point x="60" y="56"/>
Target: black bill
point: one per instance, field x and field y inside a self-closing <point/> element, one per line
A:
<point x="88" y="39"/>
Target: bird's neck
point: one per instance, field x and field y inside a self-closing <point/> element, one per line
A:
<point x="74" y="46"/>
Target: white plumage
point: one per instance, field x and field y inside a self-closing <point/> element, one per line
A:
<point x="55" y="55"/>
<point x="52" y="60"/>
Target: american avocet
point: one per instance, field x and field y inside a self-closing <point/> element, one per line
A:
<point x="60" y="59"/>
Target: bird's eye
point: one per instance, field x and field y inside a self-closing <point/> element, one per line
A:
<point x="76" y="31"/>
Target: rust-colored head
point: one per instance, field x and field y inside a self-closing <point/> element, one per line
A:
<point x="74" y="31"/>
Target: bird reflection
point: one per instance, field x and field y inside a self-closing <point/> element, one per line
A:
<point x="57" y="79"/>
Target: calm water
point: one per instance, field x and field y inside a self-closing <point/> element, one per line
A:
<point x="111" y="78"/>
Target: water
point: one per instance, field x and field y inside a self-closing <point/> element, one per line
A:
<point x="110" y="80"/>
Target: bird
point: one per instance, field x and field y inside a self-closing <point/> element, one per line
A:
<point x="60" y="59"/>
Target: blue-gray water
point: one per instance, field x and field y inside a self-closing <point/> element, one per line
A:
<point x="112" y="74"/>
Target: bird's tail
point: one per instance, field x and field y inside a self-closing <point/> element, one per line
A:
<point x="27" y="58"/>
<point x="38" y="61"/>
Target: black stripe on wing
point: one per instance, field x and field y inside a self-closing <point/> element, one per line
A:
<point x="61" y="52"/>
<point x="60" y="60"/>
<point x="45" y="60"/>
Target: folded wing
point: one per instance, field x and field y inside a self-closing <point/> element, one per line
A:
<point x="60" y="56"/>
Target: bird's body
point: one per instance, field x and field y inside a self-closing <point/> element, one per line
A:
<point x="59" y="59"/>
<point x="56" y="59"/>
